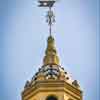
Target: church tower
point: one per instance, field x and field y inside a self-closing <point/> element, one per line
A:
<point x="51" y="82"/>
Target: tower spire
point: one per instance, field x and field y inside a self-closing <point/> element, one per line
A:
<point x="51" y="56"/>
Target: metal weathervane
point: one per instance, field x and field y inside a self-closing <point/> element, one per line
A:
<point x="50" y="15"/>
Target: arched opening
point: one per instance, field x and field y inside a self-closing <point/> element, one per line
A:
<point x="51" y="98"/>
<point x="70" y="99"/>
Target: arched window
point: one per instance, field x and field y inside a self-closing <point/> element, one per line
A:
<point x="51" y="98"/>
<point x="70" y="99"/>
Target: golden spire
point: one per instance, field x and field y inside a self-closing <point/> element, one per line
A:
<point x="50" y="53"/>
<point x="51" y="56"/>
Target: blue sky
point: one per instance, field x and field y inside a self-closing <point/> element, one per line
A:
<point x="23" y="34"/>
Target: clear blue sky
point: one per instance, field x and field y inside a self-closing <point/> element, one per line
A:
<point x="23" y="34"/>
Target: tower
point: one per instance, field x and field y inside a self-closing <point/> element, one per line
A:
<point x="51" y="82"/>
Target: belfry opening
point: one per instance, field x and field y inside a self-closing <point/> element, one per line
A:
<point x="51" y="98"/>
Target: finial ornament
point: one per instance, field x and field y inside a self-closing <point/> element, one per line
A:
<point x="51" y="56"/>
<point x="50" y="15"/>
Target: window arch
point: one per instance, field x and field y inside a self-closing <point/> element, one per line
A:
<point x="51" y="98"/>
<point x="70" y="99"/>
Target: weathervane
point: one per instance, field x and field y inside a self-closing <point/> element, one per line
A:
<point x="50" y="15"/>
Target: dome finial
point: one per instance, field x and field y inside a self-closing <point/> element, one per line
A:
<point x="50" y="53"/>
<point x="51" y="56"/>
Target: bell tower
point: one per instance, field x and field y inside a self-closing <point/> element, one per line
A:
<point x="51" y="82"/>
